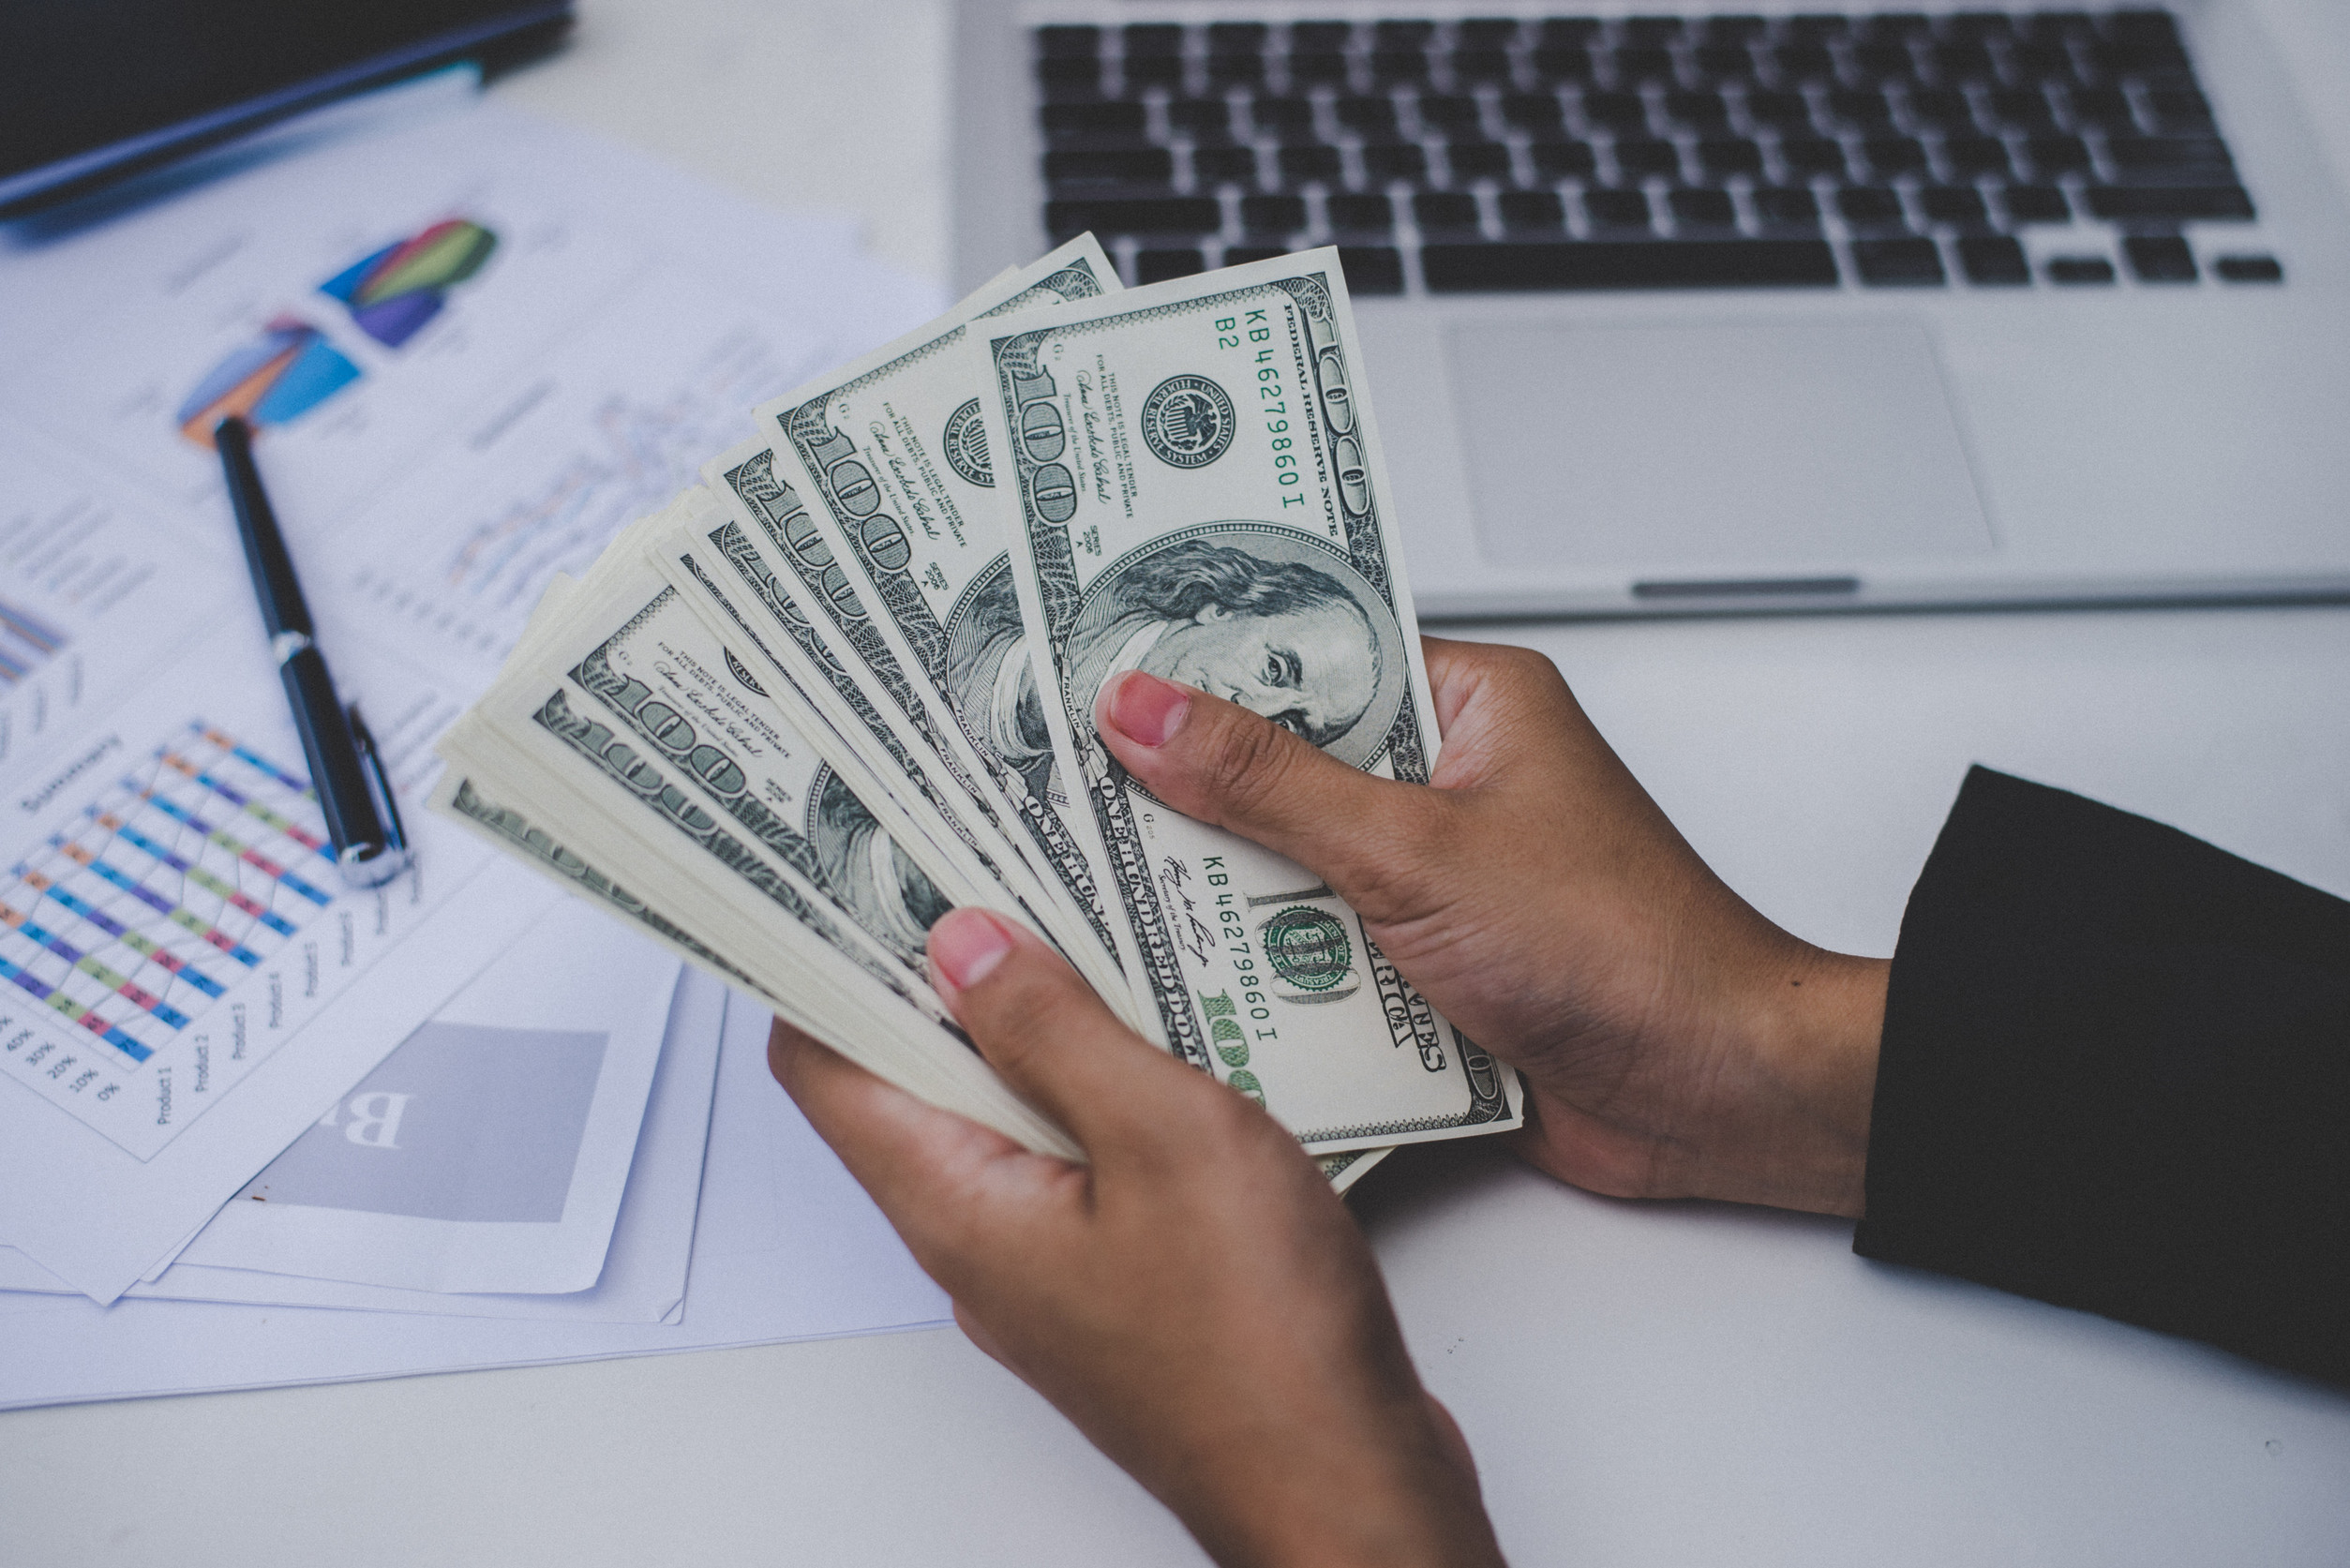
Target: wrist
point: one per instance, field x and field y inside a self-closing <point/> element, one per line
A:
<point x="1791" y="1120"/>
<point x="1408" y="1504"/>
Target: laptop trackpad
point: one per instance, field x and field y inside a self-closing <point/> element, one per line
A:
<point x="1711" y="445"/>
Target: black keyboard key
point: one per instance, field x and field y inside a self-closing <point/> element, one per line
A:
<point x="1701" y="210"/>
<point x="2056" y="155"/>
<point x="1371" y="116"/>
<point x="1965" y="61"/>
<point x="1618" y="112"/>
<point x="1617" y="211"/>
<point x="2159" y="258"/>
<point x="1639" y="156"/>
<point x="1882" y="62"/>
<point x="1283" y="116"/>
<point x="1564" y="160"/>
<point x="1168" y="214"/>
<point x="1891" y="26"/>
<point x="1781" y="110"/>
<point x="1788" y="209"/>
<point x="1889" y="156"/>
<point x="1511" y="267"/>
<point x="1817" y="25"/>
<point x="1972" y="156"/>
<point x="2181" y="108"/>
<point x="1356" y="214"/>
<point x="2177" y="203"/>
<point x="2024" y="109"/>
<point x="1315" y="70"/>
<point x="1941" y="109"/>
<point x="1206" y="119"/>
<point x="2109" y="106"/>
<point x="1977" y="24"/>
<point x="1068" y="41"/>
<point x="1870" y="207"/>
<point x="1237" y="38"/>
<point x="1733" y="29"/>
<point x="1898" y="263"/>
<point x="1698" y="111"/>
<point x="1152" y="71"/>
<point x="2248" y="269"/>
<point x="1308" y="162"/>
<point x="1861" y="107"/>
<point x="1371" y="269"/>
<point x="1235" y="70"/>
<point x="1156" y="266"/>
<point x="1643" y="63"/>
<point x="1959" y="205"/>
<point x="2140" y="59"/>
<point x="2035" y="205"/>
<point x="1442" y="210"/>
<point x="1994" y="260"/>
<point x="1399" y="66"/>
<point x="1485" y="32"/>
<point x="2146" y="24"/>
<point x="1532" y="212"/>
<point x="1402" y="35"/>
<point x="1472" y="65"/>
<point x="1478" y="161"/>
<point x="1571" y="63"/>
<point x="2040" y="62"/>
<point x="1074" y="78"/>
<point x="1802" y="62"/>
<point x="1567" y="31"/>
<point x="1273" y="214"/>
<point x="2182" y="160"/>
<point x="1724" y="62"/>
<point x="1224" y="165"/>
<point x="1066" y="167"/>
<point x="1395" y="161"/>
<point x="1452" y="113"/>
<point x="1812" y="155"/>
<point x="1319" y="38"/>
<point x="1098" y="121"/>
<point x="1653" y="29"/>
<point x="1152" y="37"/>
<point x="1532" y="111"/>
<point x="2080" y="269"/>
<point x="1722" y="157"/>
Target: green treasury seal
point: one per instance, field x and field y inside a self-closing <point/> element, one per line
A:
<point x="1306" y="948"/>
<point x="1188" y="421"/>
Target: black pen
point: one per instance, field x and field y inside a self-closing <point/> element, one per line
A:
<point x="362" y="817"/>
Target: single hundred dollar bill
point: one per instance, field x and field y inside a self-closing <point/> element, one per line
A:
<point x="903" y="547"/>
<point x="1200" y="495"/>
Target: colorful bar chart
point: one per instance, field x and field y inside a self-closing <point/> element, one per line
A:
<point x="179" y="880"/>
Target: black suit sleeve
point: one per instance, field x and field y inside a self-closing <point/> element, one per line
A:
<point x="2116" y="1076"/>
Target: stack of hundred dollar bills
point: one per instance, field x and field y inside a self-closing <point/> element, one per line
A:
<point x="846" y="683"/>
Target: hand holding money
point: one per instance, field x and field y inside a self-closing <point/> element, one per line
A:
<point x="1196" y="1302"/>
<point x="846" y="685"/>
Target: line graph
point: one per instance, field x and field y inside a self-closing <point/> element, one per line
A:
<point x="165" y="891"/>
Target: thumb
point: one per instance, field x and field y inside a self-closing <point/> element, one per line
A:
<point x="1219" y="762"/>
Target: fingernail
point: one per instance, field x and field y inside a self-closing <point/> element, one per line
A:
<point x="966" y="946"/>
<point x="1145" y="709"/>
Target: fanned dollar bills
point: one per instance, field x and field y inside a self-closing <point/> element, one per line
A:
<point x="846" y="685"/>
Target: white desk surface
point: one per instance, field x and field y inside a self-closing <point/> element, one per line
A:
<point x="1642" y="1384"/>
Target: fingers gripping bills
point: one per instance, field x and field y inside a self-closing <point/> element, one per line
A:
<point x="848" y="683"/>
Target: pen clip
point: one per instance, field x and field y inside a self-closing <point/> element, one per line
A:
<point x="380" y="787"/>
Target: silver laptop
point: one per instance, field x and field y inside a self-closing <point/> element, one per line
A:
<point x="1705" y="311"/>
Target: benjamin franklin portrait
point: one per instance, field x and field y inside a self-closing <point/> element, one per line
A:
<point x="1255" y="614"/>
<point x="886" y="893"/>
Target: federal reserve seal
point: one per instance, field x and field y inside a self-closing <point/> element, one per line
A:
<point x="966" y="440"/>
<point x="1308" y="950"/>
<point x="1188" y="421"/>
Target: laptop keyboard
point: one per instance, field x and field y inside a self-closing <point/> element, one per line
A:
<point x="1994" y="150"/>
